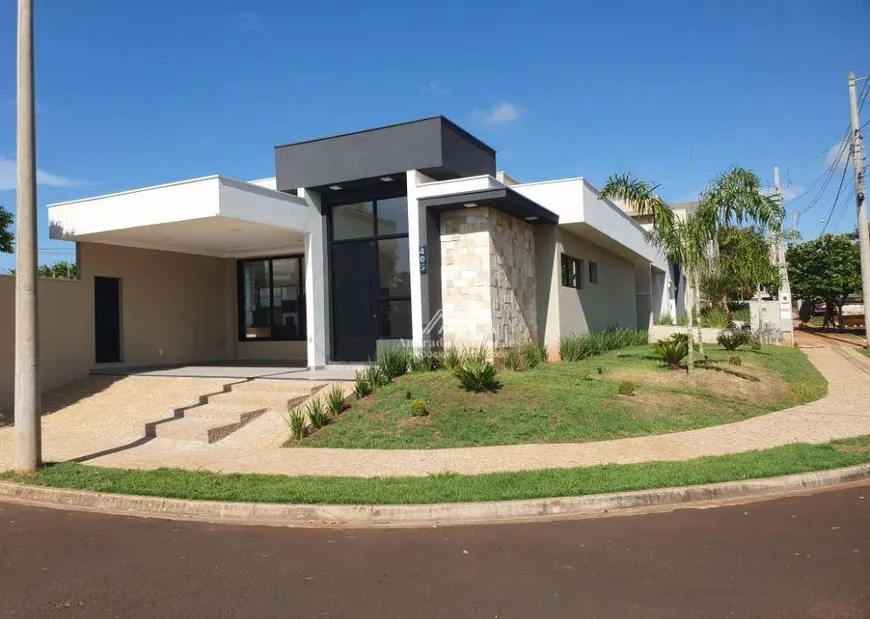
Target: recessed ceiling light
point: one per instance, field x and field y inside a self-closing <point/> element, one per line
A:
<point x="335" y="187"/>
<point x="470" y="204"/>
<point x="387" y="179"/>
<point x="531" y="218"/>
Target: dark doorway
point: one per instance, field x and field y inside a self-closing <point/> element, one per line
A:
<point x="354" y="300"/>
<point x="107" y="319"/>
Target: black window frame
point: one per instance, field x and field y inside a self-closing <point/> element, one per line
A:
<point x="565" y="264"/>
<point x="381" y="299"/>
<point x="240" y="298"/>
<point x="593" y="272"/>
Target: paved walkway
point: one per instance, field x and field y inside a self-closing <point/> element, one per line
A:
<point x="844" y="412"/>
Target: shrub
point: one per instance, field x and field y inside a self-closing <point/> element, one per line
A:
<point x="477" y="353"/>
<point x="513" y="358"/>
<point x="533" y="354"/>
<point x="682" y="320"/>
<point x="335" y="399"/>
<point x="317" y="413"/>
<point x="742" y="315"/>
<point x="418" y="408"/>
<point x="714" y="319"/>
<point x="423" y="360"/>
<point x="296" y="421"/>
<point x="361" y="385"/>
<point x="477" y="376"/>
<point x="732" y="340"/>
<point x="393" y="361"/>
<point x="626" y="387"/>
<point x="452" y="357"/>
<point x="735" y="360"/>
<point x="672" y="350"/>
<point x="578" y="347"/>
<point x="665" y="320"/>
<point x="375" y="377"/>
<point x="755" y="345"/>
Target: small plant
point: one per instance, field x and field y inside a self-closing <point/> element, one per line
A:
<point x="424" y="360"/>
<point x="375" y="377"/>
<point x="665" y="320"/>
<point x="714" y="318"/>
<point x="682" y="320"/>
<point x="476" y="353"/>
<point x="513" y="359"/>
<point x="626" y="387"/>
<point x="533" y="354"/>
<point x="735" y="360"/>
<point x="672" y="351"/>
<point x="317" y="413"/>
<point x="576" y="347"/>
<point x="393" y="361"/>
<point x="335" y="399"/>
<point x="452" y="357"/>
<point x="407" y="394"/>
<point x="755" y="345"/>
<point x="418" y="408"/>
<point x="732" y="340"/>
<point x="296" y="421"/>
<point x="477" y="376"/>
<point x="600" y="370"/>
<point x="361" y="385"/>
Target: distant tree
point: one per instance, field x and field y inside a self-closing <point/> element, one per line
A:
<point x="6" y="236"/>
<point x="826" y="269"/>
<point x="63" y="269"/>
<point x="732" y="198"/>
<point x="741" y="265"/>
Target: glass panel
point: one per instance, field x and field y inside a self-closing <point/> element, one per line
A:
<point x="593" y="272"/>
<point x="394" y="318"/>
<point x="288" y="304"/>
<point x="353" y="221"/>
<point x="393" y="216"/>
<point x="395" y="268"/>
<point x="256" y="293"/>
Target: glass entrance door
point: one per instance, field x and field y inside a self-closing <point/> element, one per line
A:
<point x="371" y="277"/>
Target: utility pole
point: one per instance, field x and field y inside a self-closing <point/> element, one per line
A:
<point x="863" y="231"/>
<point x="785" y="301"/>
<point x="28" y="427"/>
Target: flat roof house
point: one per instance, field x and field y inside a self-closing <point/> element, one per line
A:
<point x="399" y="233"/>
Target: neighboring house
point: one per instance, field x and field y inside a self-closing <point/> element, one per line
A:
<point x="399" y="233"/>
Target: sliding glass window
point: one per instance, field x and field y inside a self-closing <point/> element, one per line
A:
<point x="271" y="297"/>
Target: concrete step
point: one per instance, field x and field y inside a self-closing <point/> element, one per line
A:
<point x="273" y="401"/>
<point x="278" y="386"/>
<point x="207" y="424"/>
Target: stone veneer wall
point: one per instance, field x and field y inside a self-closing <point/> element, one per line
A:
<point x="487" y="278"/>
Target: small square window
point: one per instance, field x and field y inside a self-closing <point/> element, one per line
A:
<point x="593" y="272"/>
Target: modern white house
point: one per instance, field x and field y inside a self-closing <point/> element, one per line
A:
<point x="399" y="233"/>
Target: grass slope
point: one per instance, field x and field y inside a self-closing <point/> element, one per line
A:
<point x="202" y="485"/>
<point x="570" y="402"/>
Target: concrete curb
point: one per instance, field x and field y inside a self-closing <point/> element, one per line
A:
<point x="387" y="516"/>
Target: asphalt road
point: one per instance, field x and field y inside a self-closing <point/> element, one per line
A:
<point x="800" y="557"/>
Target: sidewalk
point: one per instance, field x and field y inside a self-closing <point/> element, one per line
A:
<point x="844" y="412"/>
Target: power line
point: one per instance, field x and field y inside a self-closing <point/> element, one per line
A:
<point x="836" y="199"/>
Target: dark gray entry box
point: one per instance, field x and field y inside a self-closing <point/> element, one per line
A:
<point x="435" y="146"/>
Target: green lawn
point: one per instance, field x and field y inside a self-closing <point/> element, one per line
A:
<point x="572" y="402"/>
<point x="442" y="488"/>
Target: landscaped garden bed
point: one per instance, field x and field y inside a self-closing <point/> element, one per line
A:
<point x="621" y="393"/>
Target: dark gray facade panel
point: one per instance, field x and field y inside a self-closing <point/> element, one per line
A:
<point x="462" y="160"/>
<point x="385" y="151"/>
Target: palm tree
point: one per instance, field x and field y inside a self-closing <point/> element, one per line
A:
<point x="733" y="197"/>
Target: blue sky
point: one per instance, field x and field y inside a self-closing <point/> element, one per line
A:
<point x="138" y="93"/>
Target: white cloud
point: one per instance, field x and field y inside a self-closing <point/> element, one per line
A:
<point x="788" y="193"/>
<point x="9" y="181"/>
<point x="250" y="22"/>
<point x="838" y="157"/>
<point x="436" y="87"/>
<point x="500" y="114"/>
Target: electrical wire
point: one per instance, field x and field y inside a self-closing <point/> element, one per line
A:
<point x="836" y="199"/>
